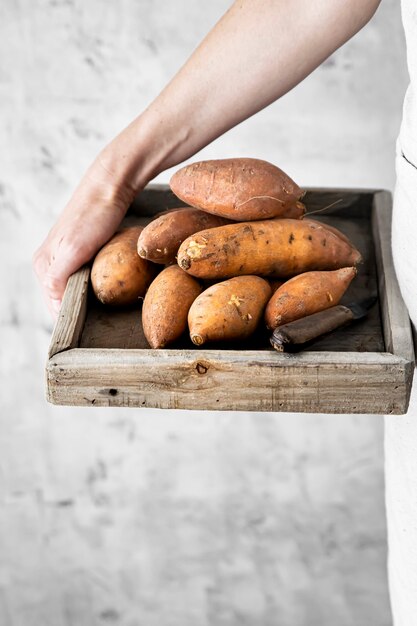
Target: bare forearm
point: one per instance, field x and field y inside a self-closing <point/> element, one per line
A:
<point x="256" y="53"/>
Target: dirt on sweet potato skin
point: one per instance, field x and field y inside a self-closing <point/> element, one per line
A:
<point x="228" y="310"/>
<point x="279" y="248"/>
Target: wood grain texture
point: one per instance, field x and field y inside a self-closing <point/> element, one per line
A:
<point x="71" y="318"/>
<point x="104" y="358"/>
<point x="229" y="380"/>
<point x="395" y="319"/>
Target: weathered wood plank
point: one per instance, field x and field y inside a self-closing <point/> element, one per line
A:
<point x="396" y="322"/>
<point x="229" y="380"/>
<point x="71" y="318"/>
<point x="121" y="328"/>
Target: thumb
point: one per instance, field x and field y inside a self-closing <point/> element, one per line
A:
<point x="53" y="273"/>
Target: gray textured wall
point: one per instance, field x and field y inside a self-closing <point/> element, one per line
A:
<point x="152" y="518"/>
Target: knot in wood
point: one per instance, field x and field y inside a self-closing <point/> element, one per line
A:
<point x="201" y="368"/>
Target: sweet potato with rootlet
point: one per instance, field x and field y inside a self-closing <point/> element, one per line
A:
<point x="239" y="189"/>
<point x="229" y="310"/>
<point x="306" y="294"/>
<point x="166" y="305"/>
<point x="118" y="275"/>
<point x="278" y="248"/>
<point x="160" y="239"/>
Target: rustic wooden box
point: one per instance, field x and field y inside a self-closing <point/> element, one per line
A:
<point x="99" y="357"/>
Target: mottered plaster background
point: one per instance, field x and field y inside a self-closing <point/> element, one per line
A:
<point x="157" y="518"/>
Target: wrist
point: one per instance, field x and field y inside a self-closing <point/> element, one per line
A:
<point x="148" y="146"/>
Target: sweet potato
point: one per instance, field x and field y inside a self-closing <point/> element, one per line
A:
<point x="278" y="248"/>
<point x="229" y="310"/>
<point x="332" y="229"/>
<point x="307" y="293"/>
<point x="166" y="305"/>
<point x="239" y="189"/>
<point x="160" y="239"/>
<point x="119" y="276"/>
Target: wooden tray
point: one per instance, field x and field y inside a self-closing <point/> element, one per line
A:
<point x="100" y="357"/>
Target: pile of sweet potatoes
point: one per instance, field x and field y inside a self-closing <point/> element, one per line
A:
<point x="239" y="252"/>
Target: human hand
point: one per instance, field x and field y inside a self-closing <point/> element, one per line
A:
<point x="90" y="218"/>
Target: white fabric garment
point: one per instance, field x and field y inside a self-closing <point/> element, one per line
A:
<point x="408" y="133"/>
<point x="401" y="431"/>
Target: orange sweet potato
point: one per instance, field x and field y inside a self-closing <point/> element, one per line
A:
<point x="160" y="239"/>
<point x="119" y="276"/>
<point x="239" y="189"/>
<point x="166" y="305"/>
<point x="229" y="310"/>
<point x="278" y="248"/>
<point x="306" y="294"/>
<point x="332" y="229"/>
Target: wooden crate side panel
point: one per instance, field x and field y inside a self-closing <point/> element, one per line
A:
<point x="71" y="318"/>
<point x="314" y="382"/>
<point x="396" y="322"/>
